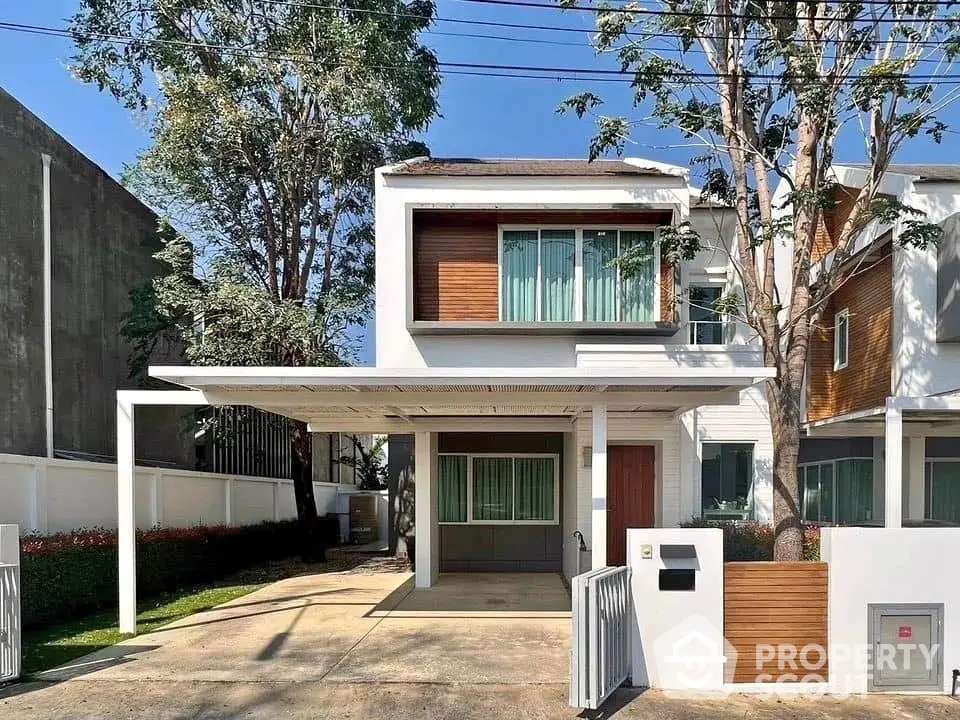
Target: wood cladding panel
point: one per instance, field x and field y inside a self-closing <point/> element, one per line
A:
<point x="767" y="603"/>
<point x="831" y="222"/>
<point x="866" y="380"/>
<point x="455" y="255"/>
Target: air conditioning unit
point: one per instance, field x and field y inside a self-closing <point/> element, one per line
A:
<point x="10" y="634"/>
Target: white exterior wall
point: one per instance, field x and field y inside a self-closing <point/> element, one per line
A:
<point x="571" y="511"/>
<point x="912" y="571"/>
<point x="49" y="496"/>
<point x="922" y="366"/>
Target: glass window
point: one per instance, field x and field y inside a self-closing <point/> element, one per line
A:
<point x="518" y="280"/>
<point x="706" y="326"/>
<point x="452" y="486"/>
<point x="533" y="488"/>
<point x="838" y="491"/>
<point x="539" y="279"/>
<point x="943" y="491"/>
<point x="841" y="339"/>
<point x="726" y="477"/>
<point x="558" y="250"/>
<point x="492" y="488"/>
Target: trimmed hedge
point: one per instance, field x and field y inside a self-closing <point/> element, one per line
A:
<point x="753" y="541"/>
<point x="72" y="574"/>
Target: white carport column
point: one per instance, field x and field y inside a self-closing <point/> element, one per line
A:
<point x="598" y="482"/>
<point x="126" y="517"/>
<point x="893" y="466"/>
<point x="426" y="509"/>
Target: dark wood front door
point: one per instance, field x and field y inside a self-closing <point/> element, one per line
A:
<point x="630" y="495"/>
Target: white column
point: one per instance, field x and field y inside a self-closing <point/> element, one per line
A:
<point x="916" y="477"/>
<point x="228" y="502"/>
<point x="126" y="518"/>
<point x="47" y="307"/>
<point x="427" y="510"/>
<point x="893" y="468"/>
<point x="598" y="482"/>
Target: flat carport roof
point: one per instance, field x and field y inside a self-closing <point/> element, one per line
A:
<point x="385" y="399"/>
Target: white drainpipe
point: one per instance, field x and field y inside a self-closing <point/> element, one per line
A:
<point x="47" y="305"/>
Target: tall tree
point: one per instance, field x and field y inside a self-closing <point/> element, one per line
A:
<point x="766" y="90"/>
<point x="267" y="119"/>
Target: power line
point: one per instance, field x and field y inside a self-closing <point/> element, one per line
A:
<point x="548" y="71"/>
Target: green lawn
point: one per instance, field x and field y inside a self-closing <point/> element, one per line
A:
<point x="57" y="644"/>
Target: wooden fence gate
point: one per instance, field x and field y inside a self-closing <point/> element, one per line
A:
<point x="783" y="605"/>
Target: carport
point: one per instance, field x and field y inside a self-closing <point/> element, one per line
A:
<point x="425" y="402"/>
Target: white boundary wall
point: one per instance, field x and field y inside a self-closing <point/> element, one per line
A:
<point x="48" y="496"/>
<point x="887" y="566"/>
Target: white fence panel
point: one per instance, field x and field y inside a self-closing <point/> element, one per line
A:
<point x="48" y="496"/>
<point x="600" y="657"/>
<point x="10" y="635"/>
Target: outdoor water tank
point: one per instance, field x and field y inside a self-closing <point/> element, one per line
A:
<point x="364" y="525"/>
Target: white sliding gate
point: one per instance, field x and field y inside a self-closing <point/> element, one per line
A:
<point x="600" y="659"/>
<point x="9" y="603"/>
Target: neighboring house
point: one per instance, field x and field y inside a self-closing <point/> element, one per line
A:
<point x="884" y="367"/>
<point x="101" y="241"/>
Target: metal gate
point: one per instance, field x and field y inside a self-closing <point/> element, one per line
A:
<point x="600" y="659"/>
<point x="9" y="603"/>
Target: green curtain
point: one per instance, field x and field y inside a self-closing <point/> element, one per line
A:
<point x="854" y="490"/>
<point x="811" y="493"/>
<point x="518" y="285"/>
<point x="826" y="493"/>
<point x="557" y="251"/>
<point x="638" y="291"/>
<point x="534" y="489"/>
<point x="492" y="488"/>
<point x="599" y="275"/>
<point x="452" y="487"/>
<point x="943" y="491"/>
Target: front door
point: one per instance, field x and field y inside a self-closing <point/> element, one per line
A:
<point x="630" y="495"/>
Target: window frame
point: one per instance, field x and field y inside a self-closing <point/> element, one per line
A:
<point x="578" y="270"/>
<point x="752" y="500"/>
<point x="802" y="484"/>
<point x="719" y="316"/>
<point x="928" y="478"/>
<point x="512" y="456"/>
<point x="844" y="316"/>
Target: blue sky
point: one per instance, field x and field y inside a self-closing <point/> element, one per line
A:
<point x="480" y="116"/>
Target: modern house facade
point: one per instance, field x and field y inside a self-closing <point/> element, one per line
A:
<point x="884" y="367"/>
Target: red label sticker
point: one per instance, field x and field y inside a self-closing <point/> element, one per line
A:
<point x="904" y="632"/>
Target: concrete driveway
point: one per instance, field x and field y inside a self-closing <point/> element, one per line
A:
<point x="361" y="644"/>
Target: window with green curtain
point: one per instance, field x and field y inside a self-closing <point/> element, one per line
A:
<point x="637" y="292"/>
<point x="557" y="259"/>
<point x="534" y="480"/>
<point x="452" y="487"/>
<point x="854" y="490"/>
<point x="810" y="476"/>
<point x="599" y="275"/>
<point x="518" y="277"/>
<point x="943" y="491"/>
<point x="492" y="488"/>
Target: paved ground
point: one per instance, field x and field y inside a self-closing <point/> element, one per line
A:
<point x="366" y="645"/>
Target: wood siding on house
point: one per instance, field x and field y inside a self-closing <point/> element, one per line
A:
<point x="455" y="258"/>
<point x="831" y="222"/>
<point x="770" y="603"/>
<point x="866" y="380"/>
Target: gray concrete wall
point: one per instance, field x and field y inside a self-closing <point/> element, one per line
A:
<point x="103" y="241"/>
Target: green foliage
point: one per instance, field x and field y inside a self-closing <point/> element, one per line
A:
<point x="368" y="463"/>
<point x="753" y="541"/>
<point x="70" y="574"/>
<point x="267" y="124"/>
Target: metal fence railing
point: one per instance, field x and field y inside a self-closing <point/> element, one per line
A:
<point x="10" y="642"/>
<point x="600" y="658"/>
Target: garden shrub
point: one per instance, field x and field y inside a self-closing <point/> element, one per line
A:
<point x="70" y="574"/>
<point x="752" y="541"/>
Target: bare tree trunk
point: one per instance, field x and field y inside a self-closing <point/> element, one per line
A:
<point x="313" y="542"/>
<point x="783" y="398"/>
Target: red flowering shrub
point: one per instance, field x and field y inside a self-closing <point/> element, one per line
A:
<point x="751" y="541"/>
<point x="74" y="573"/>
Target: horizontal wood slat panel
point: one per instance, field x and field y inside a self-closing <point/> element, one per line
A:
<point x="455" y="256"/>
<point x="777" y="604"/>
